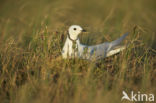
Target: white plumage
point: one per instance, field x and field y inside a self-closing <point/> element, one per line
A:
<point x="74" y="49"/>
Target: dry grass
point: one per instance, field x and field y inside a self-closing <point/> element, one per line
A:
<point x="32" y="34"/>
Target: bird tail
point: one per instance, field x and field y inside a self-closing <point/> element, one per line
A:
<point x="119" y="40"/>
<point x="115" y="51"/>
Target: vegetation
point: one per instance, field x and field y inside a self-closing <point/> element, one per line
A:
<point x="32" y="34"/>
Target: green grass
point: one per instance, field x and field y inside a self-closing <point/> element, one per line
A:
<point x="32" y="34"/>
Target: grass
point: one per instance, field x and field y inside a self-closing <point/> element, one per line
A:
<point x="32" y="34"/>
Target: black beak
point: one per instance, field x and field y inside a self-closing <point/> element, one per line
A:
<point x="84" y="30"/>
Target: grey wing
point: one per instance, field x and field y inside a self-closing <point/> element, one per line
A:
<point x="95" y="51"/>
<point x="118" y="41"/>
<point x="99" y="51"/>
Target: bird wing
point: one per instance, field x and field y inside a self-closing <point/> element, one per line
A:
<point x="101" y="50"/>
<point x="117" y="42"/>
<point x="95" y="51"/>
<point x="115" y="51"/>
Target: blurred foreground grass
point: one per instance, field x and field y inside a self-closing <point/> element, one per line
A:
<point x="32" y="33"/>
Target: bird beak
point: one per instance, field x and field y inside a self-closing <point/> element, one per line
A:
<point x="84" y="30"/>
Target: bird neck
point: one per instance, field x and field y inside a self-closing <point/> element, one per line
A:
<point x="73" y="43"/>
<point x="73" y="40"/>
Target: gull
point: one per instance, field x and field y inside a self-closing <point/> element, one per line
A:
<point x="74" y="49"/>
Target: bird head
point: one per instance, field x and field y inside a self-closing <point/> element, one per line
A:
<point x="74" y="31"/>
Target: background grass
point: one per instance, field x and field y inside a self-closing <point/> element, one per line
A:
<point x="32" y="34"/>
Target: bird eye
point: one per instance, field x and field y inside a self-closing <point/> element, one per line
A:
<point x="74" y="28"/>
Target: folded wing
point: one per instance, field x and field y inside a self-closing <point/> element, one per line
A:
<point x="101" y="50"/>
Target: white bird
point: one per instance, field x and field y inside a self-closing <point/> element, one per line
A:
<point x="74" y="49"/>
